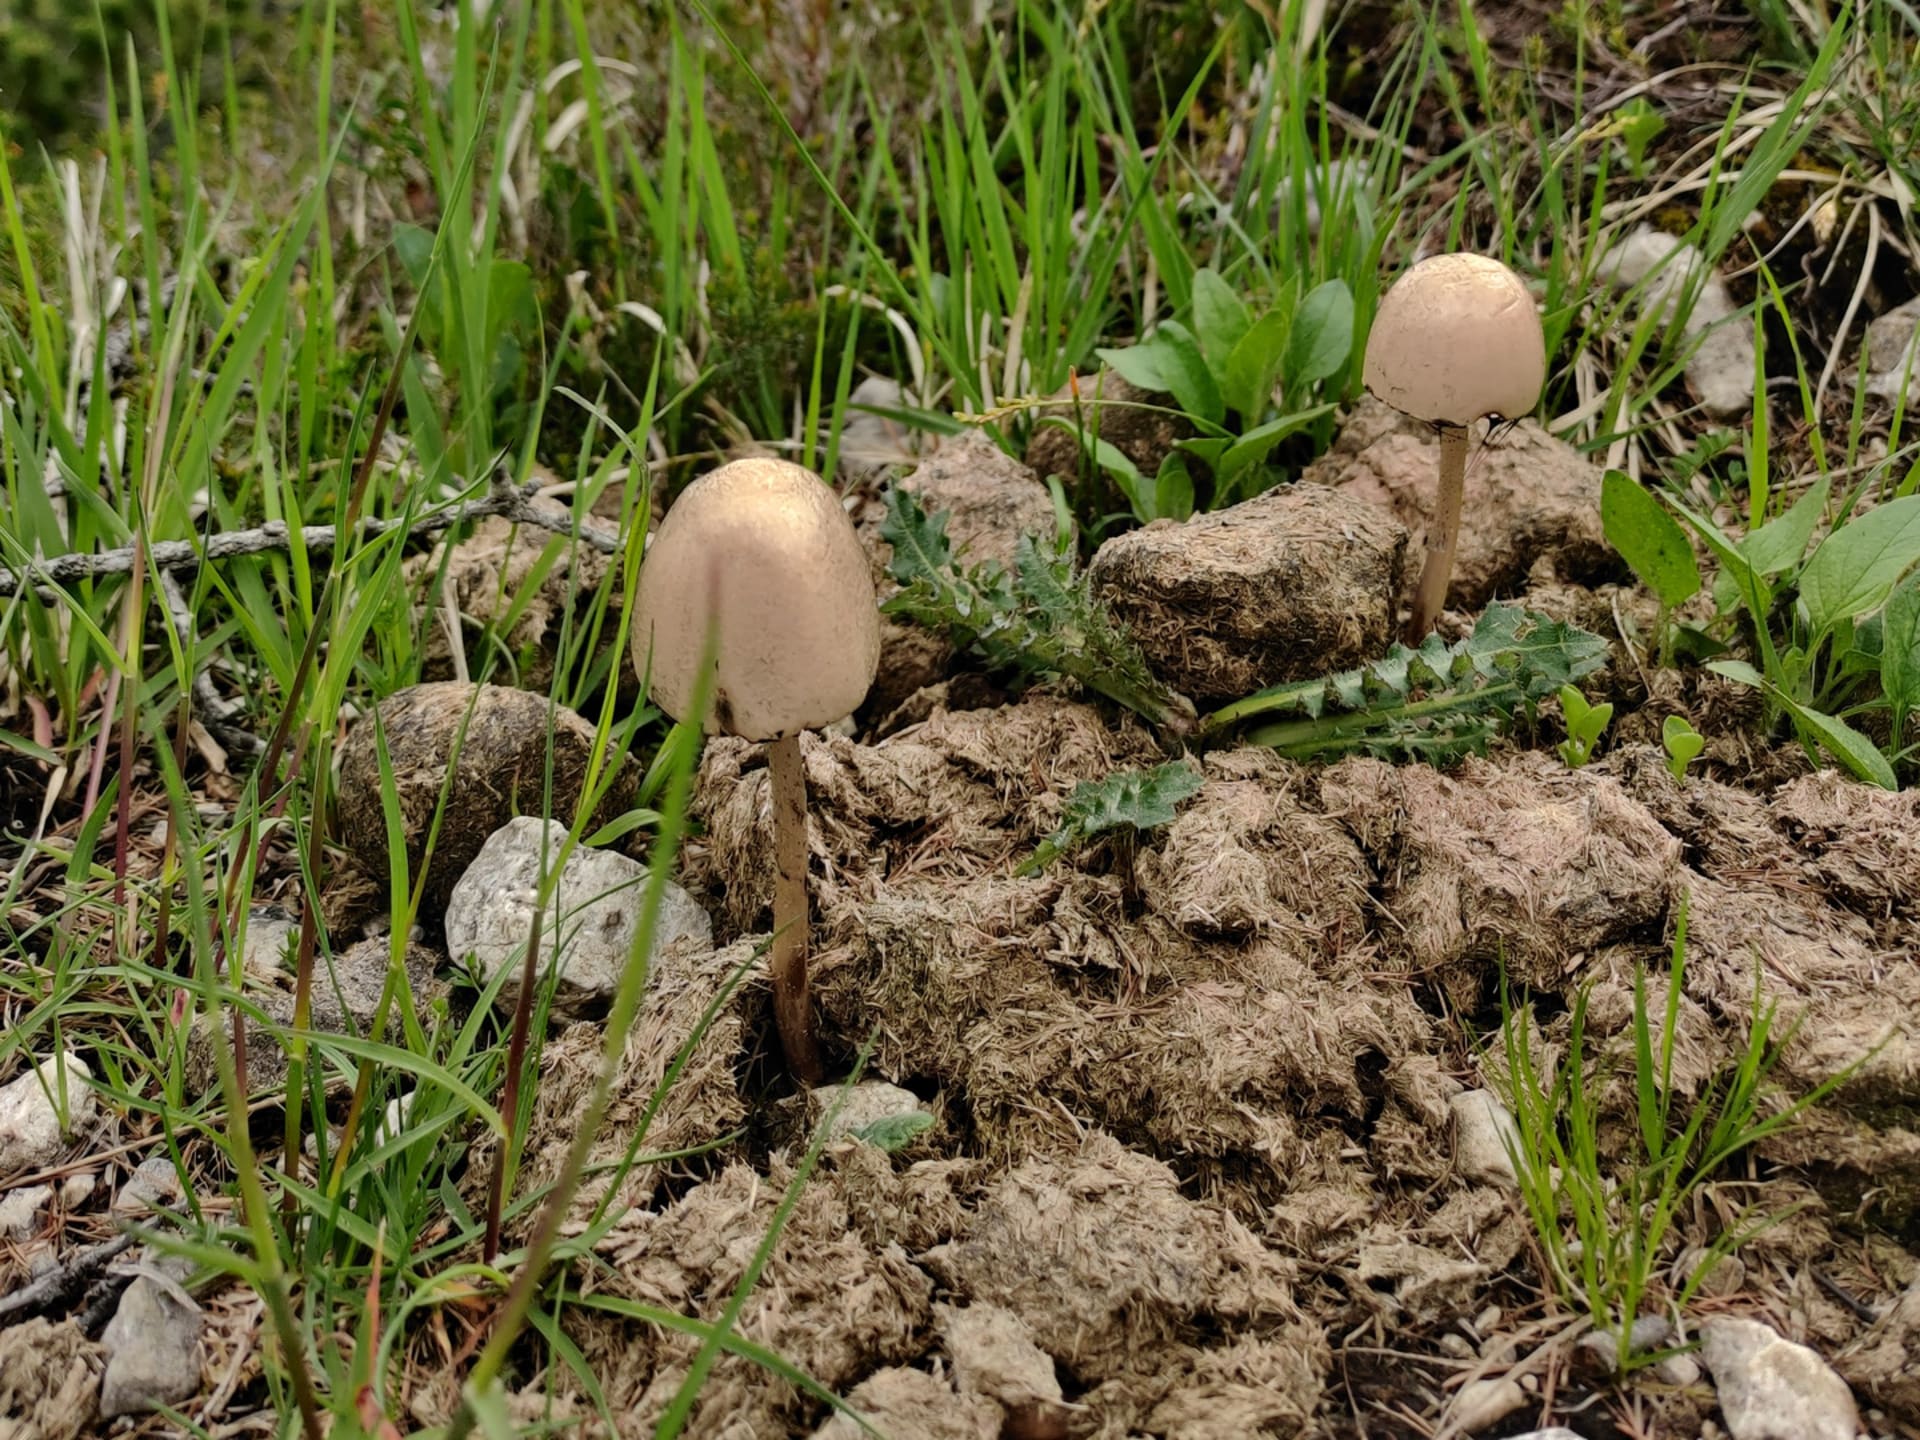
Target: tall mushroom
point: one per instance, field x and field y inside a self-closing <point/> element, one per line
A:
<point x="763" y="548"/>
<point x="1456" y="340"/>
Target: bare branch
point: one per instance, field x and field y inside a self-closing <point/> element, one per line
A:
<point x="504" y="498"/>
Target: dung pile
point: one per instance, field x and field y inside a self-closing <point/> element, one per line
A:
<point x="1270" y="980"/>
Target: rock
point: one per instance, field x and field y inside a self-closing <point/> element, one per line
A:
<point x="273" y="932"/>
<point x="153" y="1349"/>
<point x="1720" y="372"/>
<point x="154" y="1185"/>
<point x="1889" y="349"/>
<point x="346" y="995"/>
<point x="1649" y="1333"/>
<point x="77" y="1189"/>
<point x="1681" y="1371"/>
<point x="500" y="773"/>
<point x="49" y="1376"/>
<point x="1725" y="1275"/>
<point x="1528" y="497"/>
<point x="872" y="443"/>
<point x="1484" y="1139"/>
<point x="871" y="1102"/>
<point x="991" y="500"/>
<point x="1886" y="1363"/>
<point x="39" y="1108"/>
<point x="1484" y="1403"/>
<point x="1773" y="1389"/>
<point x="994" y="1354"/>
<point x="1291" y="584"/>
<point x="20" y="1211"/>
<point x="595" y="912"/>
<point x="1107" y="406"/>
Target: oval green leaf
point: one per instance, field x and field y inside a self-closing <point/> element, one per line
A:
<point x="1648" y="539"/>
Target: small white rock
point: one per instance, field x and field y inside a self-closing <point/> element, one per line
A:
<point x="1680" y="1371"/>
<point x="1456" y="1345"/>
<point x="32" y="1107"/>
<point x="1773" y="1389"/>
<point x="869" y="1103"/>
<point x="272" y="935"/>
<point x="1720" y="373"/>
<point x="1483" y="1128"/>
<point x="77" y="1189"/>
<point x="1481" y="1403"/>
<point x="153" y="1185"/>
<point x="595" y="912"/>
<point x="1724" y="1276"/>
<point x="1889" y="349"/>
<point x="20" y="1211"/>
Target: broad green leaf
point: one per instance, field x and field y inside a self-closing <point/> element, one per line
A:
<point x="1322" y="335"/>
<point x="1846" y="744"/>
<point x="1900" y="650"/>
<point x="1173" y="489"/>
<point x="1683" y="744"/>
<point x="1219" y="316"/>
<point x="1254" y="446"/>
<point x="1254" y="365"/>
<point x="1187" y="375"/>
<point x="1857" y="566"/>
<point x="1648" y="538"/>
<point x="1142" y="365"/>
<point x="1779" y="544"/>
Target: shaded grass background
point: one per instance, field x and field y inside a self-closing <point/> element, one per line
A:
<point x="604" y="246"/>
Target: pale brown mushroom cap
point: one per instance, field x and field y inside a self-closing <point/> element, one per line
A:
<point x="1457" y="339"/>
<point x="799" y="622"/>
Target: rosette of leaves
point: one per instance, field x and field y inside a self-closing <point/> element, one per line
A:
<point x="1038" y="618"/>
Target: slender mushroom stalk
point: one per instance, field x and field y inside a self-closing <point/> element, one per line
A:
<point x="763" y="550"/>
<point x="793" y="1011"/>
<point x="1457" y="340"/>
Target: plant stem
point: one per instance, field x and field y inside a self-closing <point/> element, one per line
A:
<point x="1443" y="534"/>
<point x="791" y="1009"/>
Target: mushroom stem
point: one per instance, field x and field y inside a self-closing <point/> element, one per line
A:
<point x="1443" y="534"/>
<point x="792" y="1009"/>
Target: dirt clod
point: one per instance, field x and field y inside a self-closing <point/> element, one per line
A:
<point x="703" y="1104"/>
<point x="1297" y="582"/>
<point x="1529" y="497"/>
<point x="500" y="773"/>
<point x="907" y="1404"/>
<point x="1106" y="1262"/>
<point x="49" y="1381"/>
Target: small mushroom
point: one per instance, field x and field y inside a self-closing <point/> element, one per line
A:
<point x="1457" y="340"/>
<point x="763" y="550"/>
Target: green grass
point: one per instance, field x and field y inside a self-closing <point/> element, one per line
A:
<point x="1606" y="1211"/>
<point x="471" y="249"/>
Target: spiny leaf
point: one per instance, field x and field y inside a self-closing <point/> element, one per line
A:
<point x="1436" y="702"/>
<point x="1141" y="799"/>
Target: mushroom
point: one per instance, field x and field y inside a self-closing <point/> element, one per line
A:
<point x="1456" y="340"/>
<point x="762" y="549"/>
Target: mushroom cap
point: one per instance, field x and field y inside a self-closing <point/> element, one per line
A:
<point x="1457" y="339"/>
<point x="767" y="543"/>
